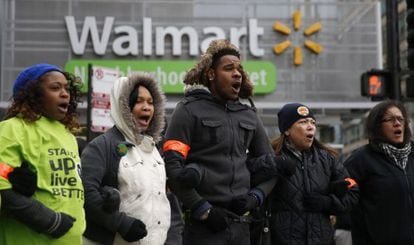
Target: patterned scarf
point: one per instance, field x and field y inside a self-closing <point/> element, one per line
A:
<point x="291" y="148"/>
<point x="398" y="155"/>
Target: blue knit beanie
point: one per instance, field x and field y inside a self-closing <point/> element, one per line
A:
<point x="290" y="113"/>
<point x="32" y="73"/>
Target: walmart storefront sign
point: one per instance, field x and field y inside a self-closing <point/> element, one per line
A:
<point x="125" y="38"/>
<point x="170" y="74"/>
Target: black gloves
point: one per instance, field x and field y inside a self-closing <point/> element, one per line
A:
<point x="315" y="202"/>
<point x="60" y="225"/>
<point x="189" y="177"/>
<point x="244" y="203"/>
<point x="339" y="187"/>
<point x="136" y="231"/>
<point x="111" y="199"/>
<point x="217" y="219"/>
<point x="285" y="166"/>
<point x="23" y="180"/>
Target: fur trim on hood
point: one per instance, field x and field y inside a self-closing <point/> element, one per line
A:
<point x="198" y="74"/>
<point x="191" y="87"/>
<point x="121" y="112"/>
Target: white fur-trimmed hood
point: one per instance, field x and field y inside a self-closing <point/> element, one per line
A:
<point x="121" y="113"/>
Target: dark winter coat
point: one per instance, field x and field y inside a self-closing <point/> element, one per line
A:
<point x="385" y="214"/>
<point x="219" y="136"/>
<point x="290" y="223"/>
<point x="106" y="144"/>
<point x="126" y="158"/>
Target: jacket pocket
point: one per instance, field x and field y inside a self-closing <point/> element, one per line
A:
<point x="213" y="131"/>
<point x="246" y="133"/>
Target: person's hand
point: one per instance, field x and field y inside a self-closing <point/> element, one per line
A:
<point x="339" y="187"/>
<point x="285" y="166"/>
<point x="136" y="231"/>
<point x="244" y="203"/>
<point x="23" y="180"/>
<point x="111" y="199"/>
<point x="217" y="219"/>
<point x="315" y="202"/>
<point x="189" y="177"/>
<point x="61" y="225"/>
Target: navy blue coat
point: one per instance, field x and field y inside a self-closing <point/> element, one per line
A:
<point x="290" y="222"/>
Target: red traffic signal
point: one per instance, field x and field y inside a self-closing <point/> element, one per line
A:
<point x="375" y="84"/>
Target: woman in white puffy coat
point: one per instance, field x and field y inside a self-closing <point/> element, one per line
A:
<point x="125" y="162"/>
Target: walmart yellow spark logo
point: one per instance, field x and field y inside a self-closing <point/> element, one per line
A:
<point x="309" y="44"/>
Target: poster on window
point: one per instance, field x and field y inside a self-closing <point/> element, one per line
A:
<point x="101" y="81"/>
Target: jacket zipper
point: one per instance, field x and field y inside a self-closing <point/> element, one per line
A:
<point x="307" y="190"/>
<point x="232" y="145"/>
<point x="410" y="200"/>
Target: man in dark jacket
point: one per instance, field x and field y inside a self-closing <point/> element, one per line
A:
<point x="207" y="143"/>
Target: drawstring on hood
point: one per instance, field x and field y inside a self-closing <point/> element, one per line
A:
<point x="121" y="111"/>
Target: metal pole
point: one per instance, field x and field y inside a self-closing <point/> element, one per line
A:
<point x="393" y="48"/>
<point x="89" y="105"/>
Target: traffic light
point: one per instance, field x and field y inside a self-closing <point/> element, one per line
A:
<point x="376" y="84"/>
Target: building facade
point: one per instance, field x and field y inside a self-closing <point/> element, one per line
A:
<point x="334" y="40"/>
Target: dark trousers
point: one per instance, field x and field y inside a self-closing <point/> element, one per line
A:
<point x="175" y="233"/>
<point x="196" y="232"/>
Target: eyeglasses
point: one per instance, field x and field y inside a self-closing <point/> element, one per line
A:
<point x="393" y="119"/>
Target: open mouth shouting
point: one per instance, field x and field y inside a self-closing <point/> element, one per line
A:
<point x="144" y="121"/>
<point x="309" y="137"/>
<point x="236" y="85"/>
<point x="398" y="134"/>
<point x="63" y="107"/>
